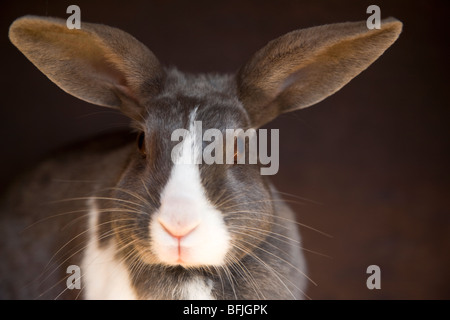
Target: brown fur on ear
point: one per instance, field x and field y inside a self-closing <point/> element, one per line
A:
<point x="97" y="63"/>
<point x="305" y="66"/>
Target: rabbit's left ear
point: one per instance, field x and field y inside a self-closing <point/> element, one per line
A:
<point x="97" y="63"/>
<point x="305" y="66"/>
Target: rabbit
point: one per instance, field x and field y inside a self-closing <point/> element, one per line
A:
<point x="137" y="224"/>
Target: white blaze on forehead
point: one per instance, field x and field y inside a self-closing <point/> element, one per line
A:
<point x="185" y="176"/>
<point x="191" y="148"/>
<point x="183" y="204"/>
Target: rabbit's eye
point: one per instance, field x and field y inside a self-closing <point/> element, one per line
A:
<point x="141" y="143"/>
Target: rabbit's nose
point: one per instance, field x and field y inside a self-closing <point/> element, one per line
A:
<point x="178" y="229"/>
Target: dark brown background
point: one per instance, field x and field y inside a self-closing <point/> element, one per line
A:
<point x="375" y="155"/>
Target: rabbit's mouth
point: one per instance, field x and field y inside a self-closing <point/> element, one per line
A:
<point x="202" y="246"/>
<point x="182" y="234"/>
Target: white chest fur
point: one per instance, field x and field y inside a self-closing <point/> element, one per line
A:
<point x="105" y="277"/>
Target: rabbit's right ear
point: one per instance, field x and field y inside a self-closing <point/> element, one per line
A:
<point x="97" y="63"/>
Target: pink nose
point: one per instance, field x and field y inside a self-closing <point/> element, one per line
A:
<point x="178" y="229"/>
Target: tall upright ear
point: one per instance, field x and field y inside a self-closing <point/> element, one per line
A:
<point x="305" y="66"/>
<point x="97" y="63"/>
